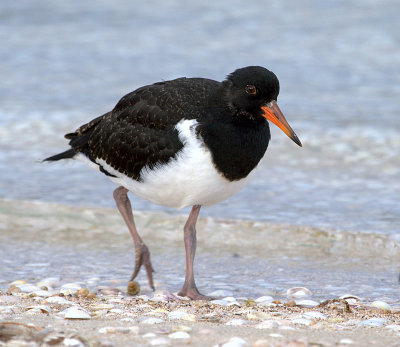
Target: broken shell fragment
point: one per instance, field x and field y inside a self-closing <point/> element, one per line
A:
<point x="75" y="312"/>
<point x="298" y="292"/>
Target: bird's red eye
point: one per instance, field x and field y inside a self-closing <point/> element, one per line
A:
<point x="250" y="89"/>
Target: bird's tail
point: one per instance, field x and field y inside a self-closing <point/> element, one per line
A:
<point x="68" y="154"/>
<point x="79" y="140"/>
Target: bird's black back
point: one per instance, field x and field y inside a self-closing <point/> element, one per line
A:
<point x="140" y="131"/>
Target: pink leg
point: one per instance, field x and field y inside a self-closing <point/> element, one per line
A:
<point x="141" y="250"/>
<point x="189" y="288"/>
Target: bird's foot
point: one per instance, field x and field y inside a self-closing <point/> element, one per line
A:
<point x="193" y="293"/>
<point x="143" y="258"/>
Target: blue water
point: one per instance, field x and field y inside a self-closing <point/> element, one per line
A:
<point x="63" y="63"/>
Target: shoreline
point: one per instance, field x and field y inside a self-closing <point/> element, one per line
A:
<point x="86" y="216"/>
<point x="41" y="242"/>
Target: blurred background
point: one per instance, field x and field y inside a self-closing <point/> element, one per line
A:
<point x="64" y="63"/>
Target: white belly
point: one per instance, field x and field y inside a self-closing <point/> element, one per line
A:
<point x="190" y="179"/>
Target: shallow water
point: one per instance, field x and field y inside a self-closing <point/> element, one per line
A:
<point x="65" y="63"/>
<point x="93" y="247"/>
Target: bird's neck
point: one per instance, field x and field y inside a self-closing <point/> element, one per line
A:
<point x="237" y="145"/>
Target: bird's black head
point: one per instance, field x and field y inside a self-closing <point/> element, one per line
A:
<point x="250" y="88"/>
<point x="252" y="92"/>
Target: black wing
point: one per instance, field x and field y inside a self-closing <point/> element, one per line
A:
<point x="140" y="131"/>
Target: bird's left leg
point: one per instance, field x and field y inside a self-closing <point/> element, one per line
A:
<point x="142" y="252"/>
<point x="189" y="288"/>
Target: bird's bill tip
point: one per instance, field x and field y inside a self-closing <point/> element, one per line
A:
<point x="273" y="113"/>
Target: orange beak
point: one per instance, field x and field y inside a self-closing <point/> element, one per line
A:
<point x="274" y="114"/>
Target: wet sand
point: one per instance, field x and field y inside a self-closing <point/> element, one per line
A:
<point x="91" y="248"/>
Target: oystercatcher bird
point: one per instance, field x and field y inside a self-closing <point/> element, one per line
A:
<point x="184" y="142"/>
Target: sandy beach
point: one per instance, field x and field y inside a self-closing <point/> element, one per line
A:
<point x="44" y="303"/>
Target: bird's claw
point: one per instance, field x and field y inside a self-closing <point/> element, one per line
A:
<point x="143" y="258"/>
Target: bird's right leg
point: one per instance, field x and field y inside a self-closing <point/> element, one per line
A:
<point x="142" y="252"/>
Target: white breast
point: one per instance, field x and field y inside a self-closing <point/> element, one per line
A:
<point x="190" y="179"/>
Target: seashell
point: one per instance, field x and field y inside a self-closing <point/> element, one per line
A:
<point x="149" y="335"/>
<point x="349" y="296"/>
<point x="236" y="322"/>
<point x="264" y="299"/>
<point x="267" y="304"/>
<point x="159" y="298"/>
<point x="39" y="308"/>
<point x="307" y="303"/>
<point x="229" y="299"/>
<point x="28" y="288"/>
<point x="351" y="299"/>
<point x="13" y="331"/>
<point x="179" y="335"/>
<point x="298" y="292"/>
<point x="49" y="282"/>
<point x="346" y="341"/>
<point x="13" y="289"/>
<point x="70" y="288"/>
<point x="75" y="312"/>
<point x="381" y="305"/>
<point x="58" y="300"/>
<point x="42" y="293"/>
<point x="17" y="283"/>
<point x="53" y="339"/>
<point x="314" y="315"/>
<point x="100" y="307"/>
<point x="256" y="315"/>
<point x="71" y="342"/>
